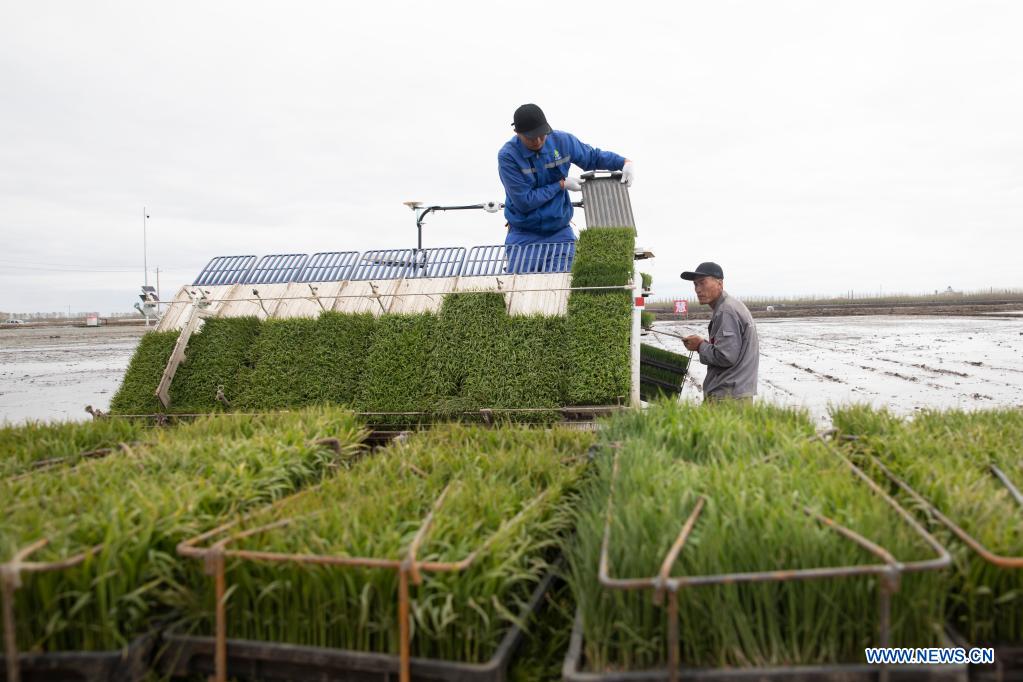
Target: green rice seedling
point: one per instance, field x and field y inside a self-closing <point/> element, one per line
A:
<point x="468" y="341"/>
<point x="647" y="320"/>
<point x="946" y="457"/>
<point x="659" y="367"/>
<point x="599" y="324"/>
<point x="648" y="280"/>
<point x="219" y="355"/>
<point x="532" y="365"/>
<point x="863" y="420"/>
<point x="397" y="376"/>
<point x="598" y="330"/>
<point x="757" y="469"/>
<point x="135" y="507"/>
<point x="26" y="446"/>
<point x="706" y="434"/>
<point x="284" y="370"/>
<point x="137" y="394"/>
<point x="303" y="361"/>
<point x="604" y="257"/>
<point x="485" y="358"/>
<point x="376" y="509"/>
<point x="342" y="343"/>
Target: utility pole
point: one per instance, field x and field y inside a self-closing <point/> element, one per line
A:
<point x="158" y="284"/>
<point x="145" y="256"/>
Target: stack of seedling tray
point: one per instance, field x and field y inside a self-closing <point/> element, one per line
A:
<point x="962" y="472"/>
<point x="422" y="561"/>
<point x="662" y="373"/>
<point x="87" y="544"/>
<point x="729" y="541"/>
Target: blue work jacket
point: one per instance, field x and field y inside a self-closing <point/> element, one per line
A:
<point x="536" y="207"/>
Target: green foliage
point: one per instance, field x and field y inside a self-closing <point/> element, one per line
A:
<point x="599" y="324"/>
<point x="284" y="370"/>
<point x="137" y="506"/>
<point x="648" y="279"/>
<point x="26" y="445"/>
<point x="343" y="342"/>
<point x="946" y="457"/>
<point x="757" y="469"/>
<point x="532" y="364"/>
<point x="468" y="345"/>
<point x="604" y="257"/>
<point x="485" y="358"/>
<point x="301" y="361"/>
<point x="218" y="355"/>
<point x="397" y="376"/>
<point x="376" y="509"/>
<point x="137" y="394"/>
<point x="598" y="330"/>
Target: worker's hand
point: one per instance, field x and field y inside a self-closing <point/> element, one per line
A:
<point x="693" y="342"/>
<point x="628" y="173"/>
<point x="572" y="184"/>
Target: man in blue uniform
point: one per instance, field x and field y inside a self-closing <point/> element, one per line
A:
<point x="534" y="170"/>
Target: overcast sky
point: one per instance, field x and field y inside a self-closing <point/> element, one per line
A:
<point x="809" y="147"/>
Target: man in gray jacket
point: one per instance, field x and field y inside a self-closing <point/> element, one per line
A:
<point x="732" y="354"/>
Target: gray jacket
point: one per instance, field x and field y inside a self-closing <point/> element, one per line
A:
<point x="732" y="354"/>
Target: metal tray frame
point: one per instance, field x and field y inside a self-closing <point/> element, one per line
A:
<point x="666" y="587"/>
<point x="572" y="671"/>
<point x="249" y="659"/>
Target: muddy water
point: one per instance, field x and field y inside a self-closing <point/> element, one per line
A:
<point x="904" y="363"/>
<point x="54" y="372"/>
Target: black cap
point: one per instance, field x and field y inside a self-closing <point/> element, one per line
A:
<point x="704" y="270"/>
<point x="530" y="121"/>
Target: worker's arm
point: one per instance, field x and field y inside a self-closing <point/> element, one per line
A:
<point x="590" y="158"/>
<point x="518" y="186"/>
<point x="727" y="343"/>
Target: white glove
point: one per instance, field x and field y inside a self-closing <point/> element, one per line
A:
<point x="628" y="173"/>
<point x="573" y="184"/>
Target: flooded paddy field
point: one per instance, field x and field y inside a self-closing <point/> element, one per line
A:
<point x="53" y="372"/>
<point x="902" y="362"/>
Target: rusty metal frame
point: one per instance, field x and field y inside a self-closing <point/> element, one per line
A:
<point x="10" y="580"/>
<point x="409" y="568"/>
<point x="889" y="571"/>
<point x="568" y="413"/>
<point x="994" y="559"/>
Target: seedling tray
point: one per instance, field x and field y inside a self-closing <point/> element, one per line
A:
<point x="186" y="655"/>
<point x="129" y="664"/>
<point x="573" y="670"/>
<point x="1008" y="665"/>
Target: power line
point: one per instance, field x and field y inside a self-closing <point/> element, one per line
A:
<point x="35" y="269"/>
<point x="69" y="265"/>
<point x="73" y="265"/>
